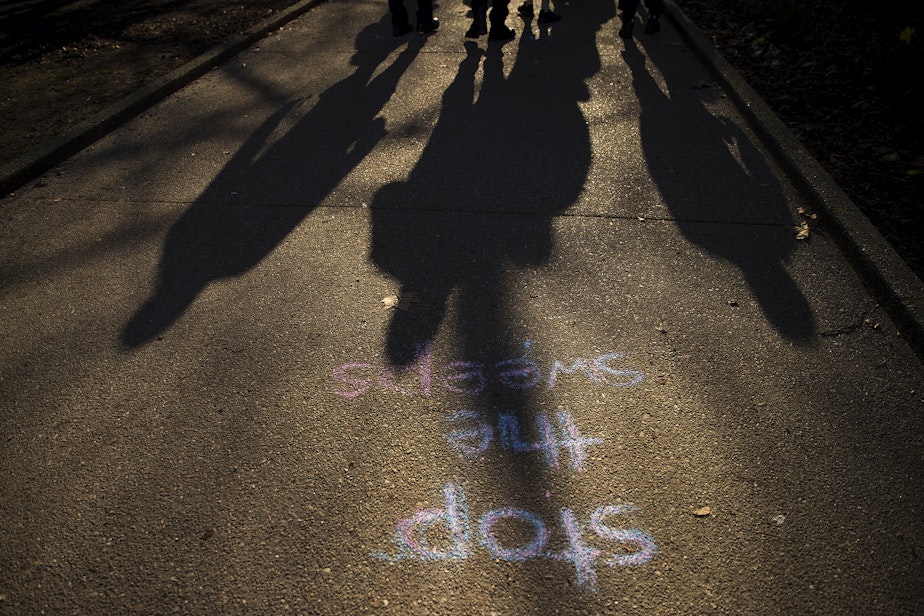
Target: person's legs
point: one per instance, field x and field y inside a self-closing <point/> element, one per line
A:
<point x="426" y="22"/>
<point x="628" y="8"/>
<point x="499" y="29"/>
<point x="546" y="16"/>
<point x="479" y="19"/>
<point x="424" y="12"/>
<point x="499" y="12"/>
<point x="655" y="10"/>
<point x="398" y="12"/>
<point x="399" y="23"/>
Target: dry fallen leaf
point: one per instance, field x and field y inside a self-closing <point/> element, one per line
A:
<point x="702" y="512"/>
<point x="802" y="231"/>
<point x="805" y="214"/>
<point x="401" y="302"/>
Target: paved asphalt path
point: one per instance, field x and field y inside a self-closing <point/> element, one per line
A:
<point x="625" y="387"/>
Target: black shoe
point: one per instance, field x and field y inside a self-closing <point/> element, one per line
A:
<point x="402" y="29"/>
<point x="653" y="25"/>
<point x="526" y="9"/>
<point x="626" y="30"/>
<point x="428" y="27"/>
<point x="548" y="17"/>
<point x="501" y="33"/>
<point x="479" y="26"/>
<point x="476" y="30"/>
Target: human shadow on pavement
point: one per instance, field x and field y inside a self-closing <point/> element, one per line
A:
<point x="502" y="161"/>
<point x="718" y="187"/>
<point x="477" y="214"/>
<point x="268" y="188"/>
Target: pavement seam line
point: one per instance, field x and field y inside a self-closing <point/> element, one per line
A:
<point x="872" y="257"/>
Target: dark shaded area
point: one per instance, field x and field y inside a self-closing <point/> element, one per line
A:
<point x="845" y="77"/>
<point x="517" y="152"/>
<point x="250" y="206"/>
<point x="476" y="213"/>
<point x="837" y="88"/>
<point x="717" y="185"/>
<point x="518" y="155"/>
<point x="32" y="29"/>
<point x="63" y="61"/>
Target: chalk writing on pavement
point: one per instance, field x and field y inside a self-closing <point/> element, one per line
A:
<point x="447" y="533"/>
<point x="474" y="440"/>
<point x="472" y="377"/>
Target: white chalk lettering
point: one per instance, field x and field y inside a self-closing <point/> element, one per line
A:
<point x="474" y="440"/>
<point x="445" y="534"/>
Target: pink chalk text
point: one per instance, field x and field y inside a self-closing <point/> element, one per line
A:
<point x="422" y="377"/>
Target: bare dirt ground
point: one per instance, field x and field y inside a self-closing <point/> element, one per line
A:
<point x="848" y="94"/>
<point x="63" y="61"/>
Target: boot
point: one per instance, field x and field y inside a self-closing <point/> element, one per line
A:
<point x="428" y="26"/>
<point x="479" y="24"/>
<point x="501" y="33"/>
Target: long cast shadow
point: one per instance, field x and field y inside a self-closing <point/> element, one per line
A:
<point x="718" y="187"/>
<point x="476" y="214"/>
<point x="264" y="192"/>
<point x="500" y="164"/>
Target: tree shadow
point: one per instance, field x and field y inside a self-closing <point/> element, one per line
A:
<point x="718" y="187"/>
<point x="269" y="187"/>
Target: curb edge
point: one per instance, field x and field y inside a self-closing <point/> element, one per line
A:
<point x="883" y="271"/>
<point x="34" y="163"/>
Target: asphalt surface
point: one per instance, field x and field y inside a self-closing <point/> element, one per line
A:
<point x="614" y="382"/>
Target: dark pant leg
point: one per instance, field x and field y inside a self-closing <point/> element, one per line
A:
<point x="424" y="11"/>
<point x="628" y="8"/>
<point x="499" y="12"/>
<point x="398" y="12"/>
<point x="655" y="7"/>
